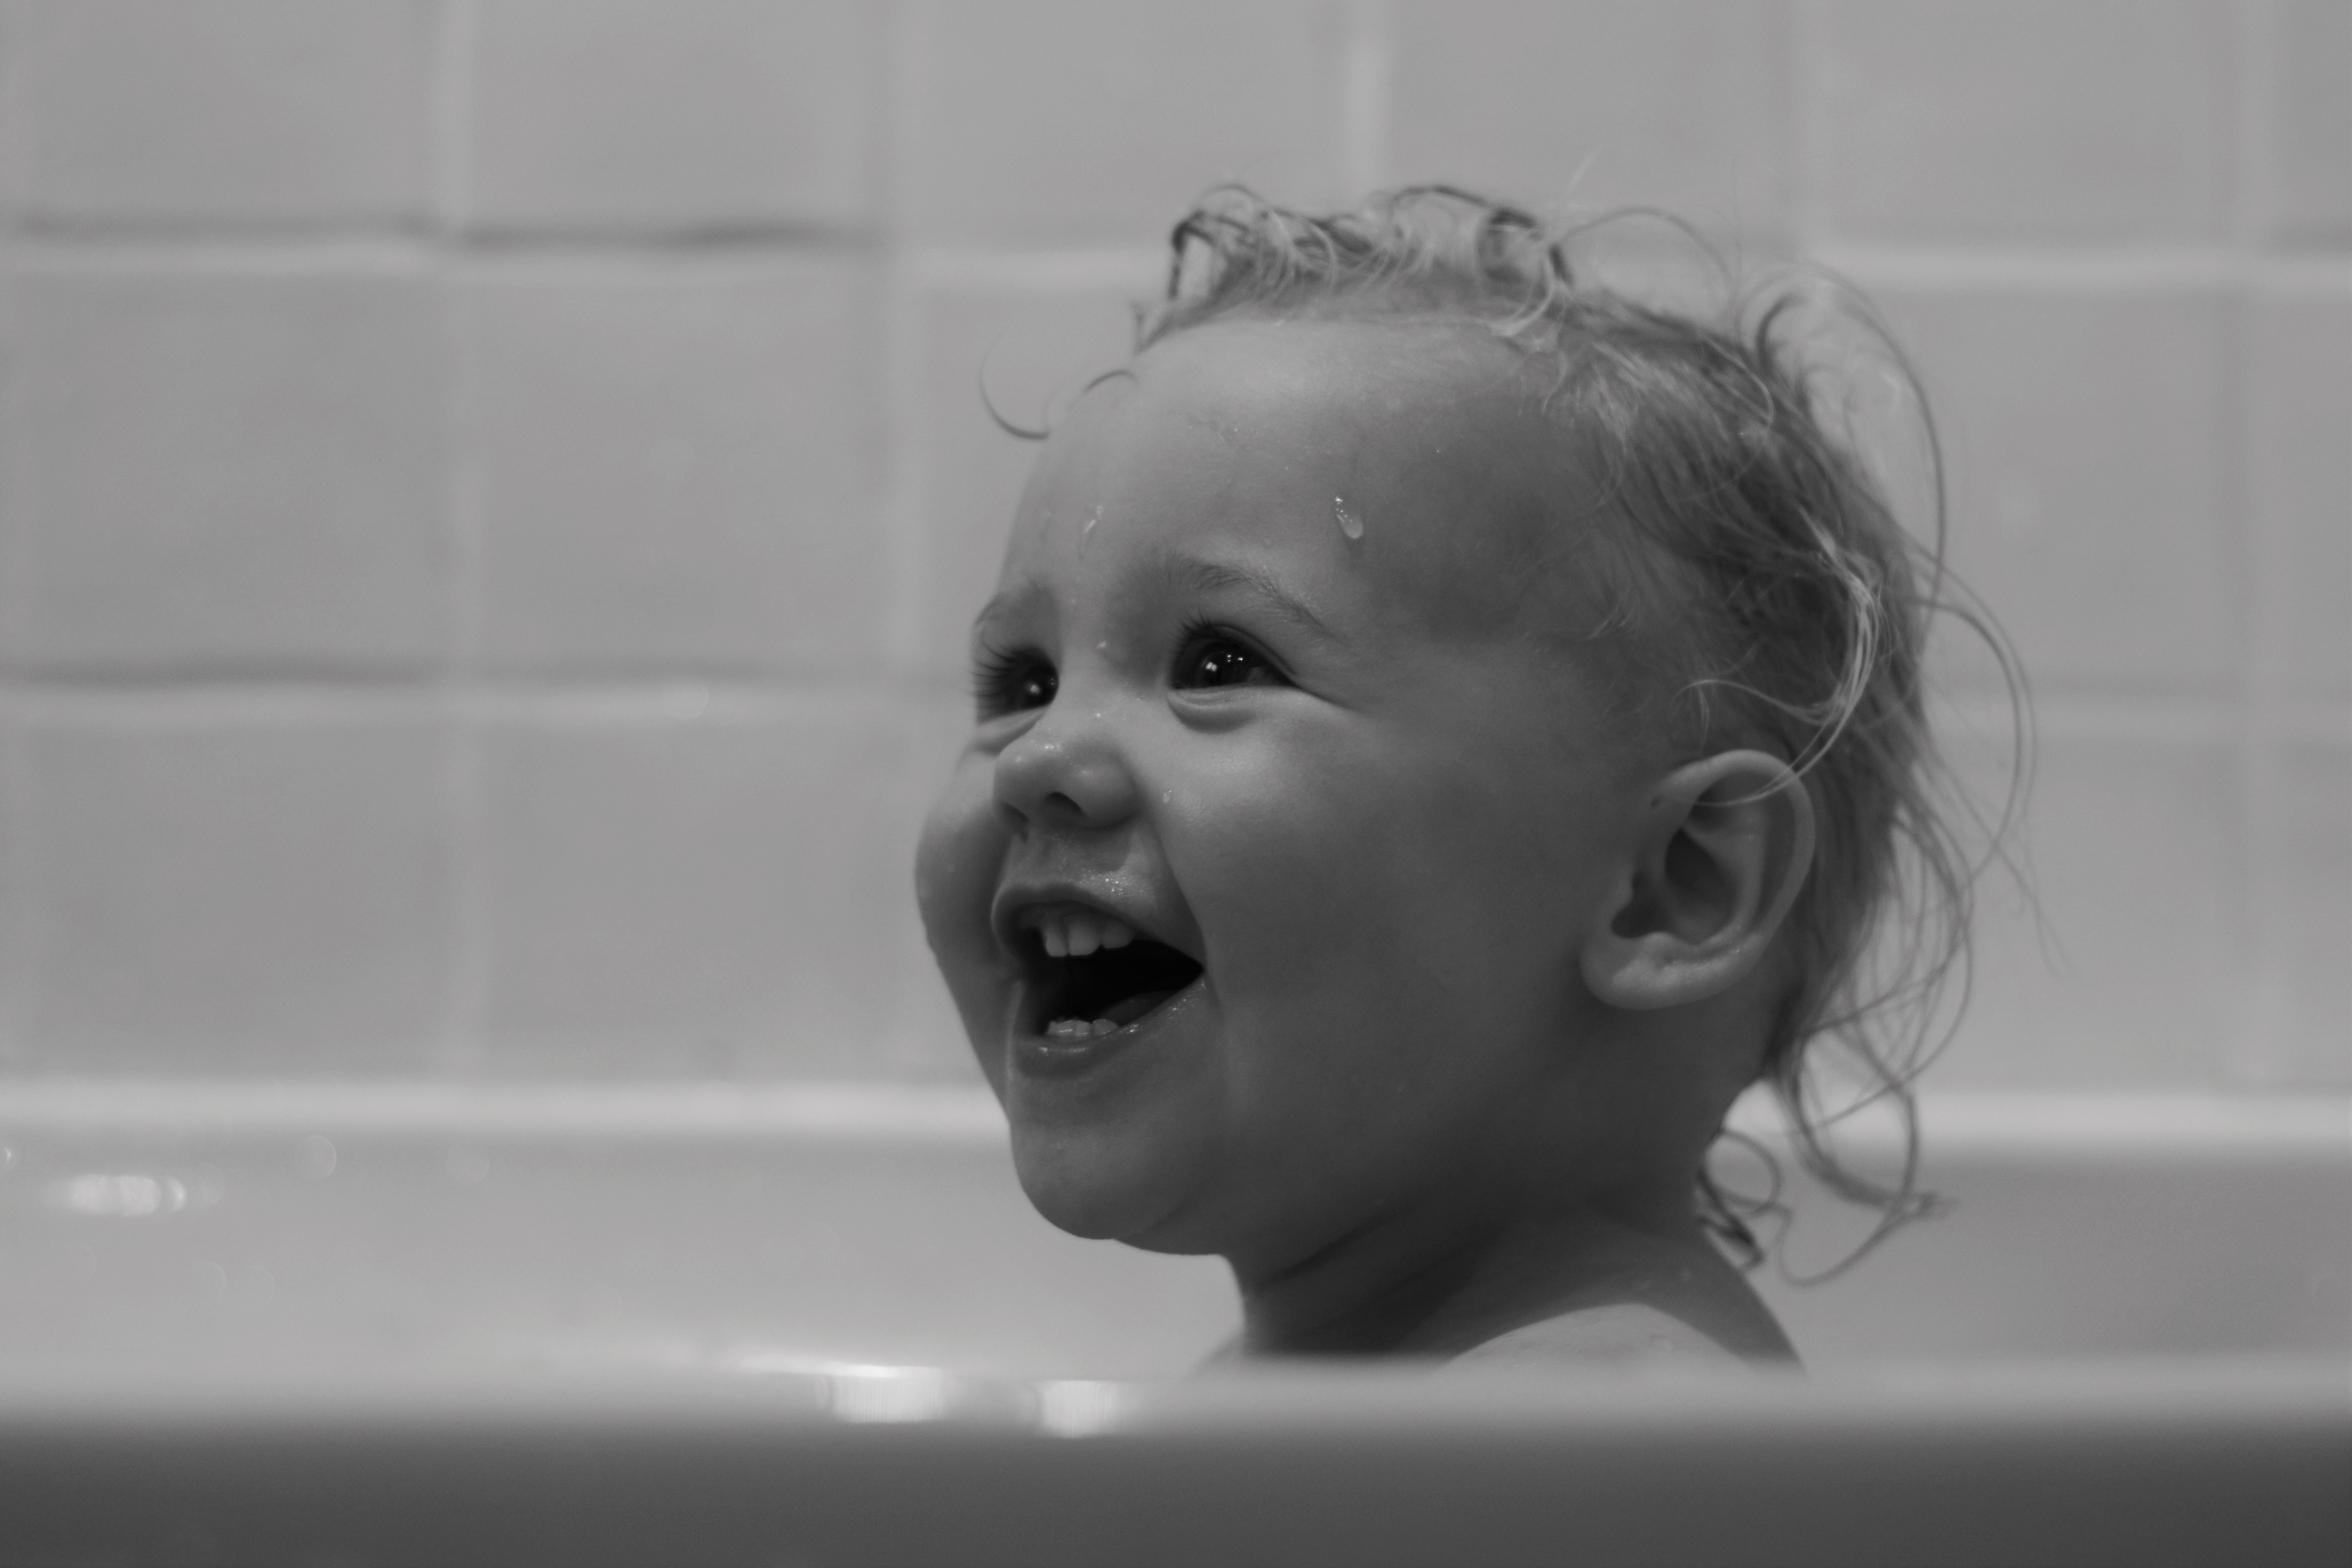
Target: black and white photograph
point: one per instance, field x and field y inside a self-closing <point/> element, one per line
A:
<point x="1162" y="783"/>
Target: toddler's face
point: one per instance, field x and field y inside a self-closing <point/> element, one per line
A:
<point x="1261" y="883"/>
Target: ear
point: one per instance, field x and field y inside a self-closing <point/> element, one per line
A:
<point x="1718" y="859"/>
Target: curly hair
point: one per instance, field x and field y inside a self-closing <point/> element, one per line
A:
<point x="1772" y="595"/>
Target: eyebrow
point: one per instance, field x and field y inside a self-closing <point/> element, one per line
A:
<point x="1007" y="605"/>
<point x="1199" y="576"/>
<point x="1187" y="573"/>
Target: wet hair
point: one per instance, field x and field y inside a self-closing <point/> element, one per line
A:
<point x="1761" y="592"/>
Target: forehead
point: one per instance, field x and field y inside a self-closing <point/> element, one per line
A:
<point x="1255" y="436"/>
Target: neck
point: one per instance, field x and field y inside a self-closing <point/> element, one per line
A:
<point x="1440" y="1281"/>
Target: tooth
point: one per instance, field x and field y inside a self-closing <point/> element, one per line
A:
<point x="1116" y="933"/>
<point x="1103" y="1026"/>
<point x="1056" y="939"/>
<point x="1085" y="936"/>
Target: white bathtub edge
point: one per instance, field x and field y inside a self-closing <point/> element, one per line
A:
<point x="854" y="1112"/>
<point x="2311" y="1124"/>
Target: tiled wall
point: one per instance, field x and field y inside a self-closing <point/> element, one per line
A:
<point x="489" y="492"/>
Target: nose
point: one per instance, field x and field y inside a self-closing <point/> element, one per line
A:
<point x="1065" y="772"/>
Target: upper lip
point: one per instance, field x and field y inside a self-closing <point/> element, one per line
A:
<point x="1019" y="906"/>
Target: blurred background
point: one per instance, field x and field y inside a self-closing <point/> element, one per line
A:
<point x="491" y="490"/>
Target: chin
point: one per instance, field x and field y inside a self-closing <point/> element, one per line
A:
<point x="1106" y="1185"/>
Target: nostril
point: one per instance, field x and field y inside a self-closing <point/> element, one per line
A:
<point x="1055" y="806"/>
<point x="1044" y="778"/>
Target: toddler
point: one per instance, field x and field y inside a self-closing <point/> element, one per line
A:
<point x="1444" y="732"/>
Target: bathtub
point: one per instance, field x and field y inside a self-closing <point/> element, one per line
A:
<point x="807" y="1324"/>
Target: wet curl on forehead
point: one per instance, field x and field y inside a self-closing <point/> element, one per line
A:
<point x="1747" y="583"/>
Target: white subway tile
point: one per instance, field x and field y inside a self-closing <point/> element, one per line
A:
<point x="2299" y="460"/>
<point x="211" y="472"/>
<point x="717" y="896"/>
<point x="681" y="470"/>
<point x="1043" y="122"/>
<point x="641" y="115"/>
<point x="2309" y="78"/>
<point x="230" y="111"/>
<point x="234" y="896"/>
<point x="1582" y="108"/>
<point x="2083" y="439"/>
<point x="2307" y="916"/>
<point x="2132" y="974"/>
<point x="2009" y="120"/>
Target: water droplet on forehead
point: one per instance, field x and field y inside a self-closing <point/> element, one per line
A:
<point x="1349" y="523"/>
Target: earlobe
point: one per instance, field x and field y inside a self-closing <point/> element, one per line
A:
<point x="1718" y="859"/>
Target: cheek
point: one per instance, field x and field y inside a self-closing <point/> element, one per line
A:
<point x="1298" y="865"/>
<point x="1351" y="900"/>
<point x="956" y="868"/>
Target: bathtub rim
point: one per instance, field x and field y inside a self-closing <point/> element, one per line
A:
<point x="2288" y="1124"/>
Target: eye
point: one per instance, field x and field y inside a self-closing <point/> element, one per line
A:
<point x="1212" y="658"/>
<point x="1013" y="682"/>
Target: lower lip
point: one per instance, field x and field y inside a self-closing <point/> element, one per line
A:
<point x="1039" y="1056"/>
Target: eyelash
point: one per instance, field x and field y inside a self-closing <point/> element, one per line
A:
<point x="1014" y="680"/>
<point x="1199" y="632"/>
<point x="999" y="676"/>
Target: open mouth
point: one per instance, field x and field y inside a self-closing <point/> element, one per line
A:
<point x="1078" y="996"/>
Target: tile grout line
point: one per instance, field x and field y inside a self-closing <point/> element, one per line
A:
<point x="451" y="114"/>
<point x="1803" y="30"/>
<point x="2264" y="1013"/>
<point x="1367" y="91"/>
<point x="2253" y="100"/>
<point x="2022" y="267"/>
<point x="20" y="858"/>
<point x="15" y="178"/>
<point x="1784" y="227"/>
<point x="462" y="808"/>
<point x="2208" y="718"/>
<point x="673" y="707"/>
<point x="2098" y="272"/>
<point x="20" y="861"/>
<point x="455" y="702"/>
<point x="468" y="946"/>
<point x="903" y="498"/>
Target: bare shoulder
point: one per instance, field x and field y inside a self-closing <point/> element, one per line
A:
<point x="1620" y="1334"/>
